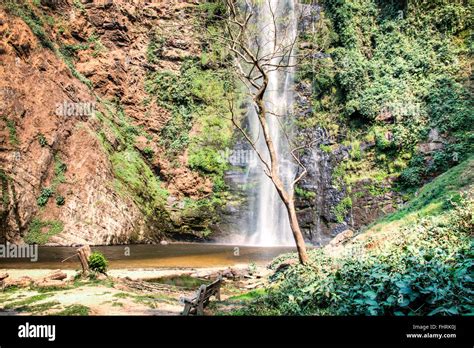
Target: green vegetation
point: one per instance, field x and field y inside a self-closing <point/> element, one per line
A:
<point x="69" y="56"/>
<point x="155" y="48"/>
<point x="299" y="192"/>
<point x="22" y="305"/>
<point x="148" y="152"/>
<point x="393" y="73"/>
<point x="195" y="95"/>
<point x="74" y="310"/>
<point x="249" y="296"/>
<point x="40" y="231"/>
<point x="60" y="169"/>
<point x="98" y="262"/>
<point x="97" y="45"/>
<point x="59" y="178"/>
<point x="31" y="17"/>
<point x="440" y="194"/>
<point x="420" y="266"/>
<point x="4" y="183"/>
<point x="342" y="208"/>
<point x="12" y="132"/>
<point x="134" y="176"/>
<point x="43" y="198"/>
<point x="60" y="200"/>
<point x="42" y="140"/>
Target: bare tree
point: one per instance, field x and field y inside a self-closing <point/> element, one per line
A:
<point x="255" y="61"/>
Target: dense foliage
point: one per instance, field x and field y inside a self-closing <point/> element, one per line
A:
<point x="394" y="71"/>
<point x="423" y="269"/>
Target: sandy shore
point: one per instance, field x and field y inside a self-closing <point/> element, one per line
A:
<point x="111" y="296"/>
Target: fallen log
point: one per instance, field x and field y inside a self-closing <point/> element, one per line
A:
<point x="56" y="275"/>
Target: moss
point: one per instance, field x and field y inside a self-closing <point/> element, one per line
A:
<point x="40" y="231"/>
<point x="325" y="148"/>
<point x="299" y="192"/>
<point x="155" y="48"/>
<point x="97" y="45"/>
<point x="4" y="183"/>
<point x="136" y="178"/>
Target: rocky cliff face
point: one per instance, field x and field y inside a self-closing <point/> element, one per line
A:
<point x="328" y="205"/>
<point x="72" y="73"/>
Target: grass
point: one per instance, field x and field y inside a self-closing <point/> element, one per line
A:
<point x="49" y="289"/>
<point x="74" y="310"/>
<point x="42" y="307"/>
<point x="433" y="198"/>
<point x="23" y="305"/>
<point x="39" y="232"/>
<point x="248" y="296"/>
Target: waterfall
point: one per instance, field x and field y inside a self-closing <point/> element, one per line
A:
<point x="267" y="222"/>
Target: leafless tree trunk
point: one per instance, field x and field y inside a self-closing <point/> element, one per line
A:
<point x="254" y="62"/>
<point x="83" y="253"/>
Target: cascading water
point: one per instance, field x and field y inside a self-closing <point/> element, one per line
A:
<point x="268" y="223"/>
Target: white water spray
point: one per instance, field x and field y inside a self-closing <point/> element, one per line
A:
<point x="268" y="222"/>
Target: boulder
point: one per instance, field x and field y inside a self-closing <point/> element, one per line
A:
<point x="342" y="237"/>
<point x="20" y="282"/>
<point x="48" y="283"/>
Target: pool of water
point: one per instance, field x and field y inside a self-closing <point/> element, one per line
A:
<point x="181" y="255"/>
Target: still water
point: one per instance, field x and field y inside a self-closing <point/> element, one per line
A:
<point x="154" y="256"/>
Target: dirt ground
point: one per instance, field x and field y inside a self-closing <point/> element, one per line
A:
<point x="116" y="294"/>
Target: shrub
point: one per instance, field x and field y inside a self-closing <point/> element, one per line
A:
<point x="60" y="200"/>
<point x="422" y="269"/>
<point x="42" y="140"/>
<point x="341" y="209"/>
<point x="46" y="193"/>
<point x="411" y="177"/>
<point x="148" y="152"/>
<point x="98" y="262"/>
